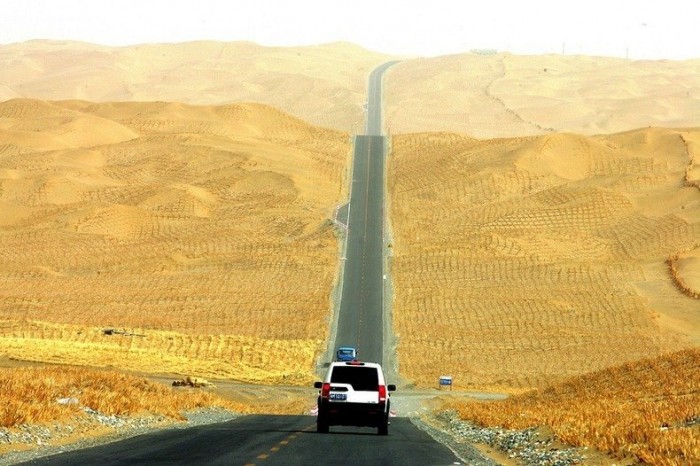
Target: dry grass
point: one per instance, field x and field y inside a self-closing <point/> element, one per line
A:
<point x="677" y="276"/>
<point x="519" y="262"/>
<point x="203" y="229"/>
<point x="648" y="409"/>
<point x="30" y="396"/>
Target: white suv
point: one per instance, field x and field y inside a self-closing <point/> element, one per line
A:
<point x="354" y="394"/>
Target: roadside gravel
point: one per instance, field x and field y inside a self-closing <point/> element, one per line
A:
<point x="464" y="450"/>
<point x="42" y="439"/>
<point x="499" y="446"/>
<point x="523" y="447"/>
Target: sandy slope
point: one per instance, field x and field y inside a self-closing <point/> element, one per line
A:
<point x="523" y="260"/>
<point x="508" y="95"/>
<point x="325" y="85"/>
<point x="204" y="228"/>
<point x="529" y="257"/>
<point x="481" y="96"/>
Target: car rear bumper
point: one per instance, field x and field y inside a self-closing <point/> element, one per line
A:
<point x="352" y="414"/>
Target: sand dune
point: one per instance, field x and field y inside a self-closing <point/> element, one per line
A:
<point x="508" y="95"/>
<point x="204" y="228"/>
<point x="30" y="125"/>
<point x="479" y="95"/>
<point x="542" y="254"/>
<point x="325" y="85"/>
<point x="521" y="261"/>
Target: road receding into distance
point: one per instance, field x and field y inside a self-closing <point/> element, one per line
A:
<point x="292" y="440"/>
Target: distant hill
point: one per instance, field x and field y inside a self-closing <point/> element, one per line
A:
<point x="508" y="95"/>
<point x="484" y="96"/>
<point x="324" y="85"/>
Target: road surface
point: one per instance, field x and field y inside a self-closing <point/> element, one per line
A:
<point x="360" y="320"/>
<point x="374" y="100"/>
<point x="292" y="440"/>
<point x="361" y="315"/>
<point x="268" y="441"/>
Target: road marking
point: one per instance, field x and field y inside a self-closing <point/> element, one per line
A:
<point x="364" y="242"/>
<point x="276" y="448"/>
<point x="369" y="159"/>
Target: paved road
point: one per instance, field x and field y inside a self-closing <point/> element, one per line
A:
<point x="360" y="320"/>
<point x="292" y="440"/>
<point x="374" y="100"/>
<point x="361" y="315"/>
<point x="267" y="441"/>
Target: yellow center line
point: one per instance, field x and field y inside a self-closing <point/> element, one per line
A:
<point x="278" y="447"/>
<point x="364" y="249"/>
<point x="369" y="158"/>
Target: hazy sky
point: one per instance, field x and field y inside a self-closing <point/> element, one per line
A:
<point x="634" y="28"/>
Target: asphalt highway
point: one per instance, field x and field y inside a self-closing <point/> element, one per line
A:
<point x="360" y="320"/>
<point x="361" y="316"/>
<point x="267" y="441"/>
<point x="292" y="440"/>
<point x="374" y="99"/>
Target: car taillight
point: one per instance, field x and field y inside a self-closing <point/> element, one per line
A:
<point x="382" y="393"/>
<point x="326" y="390"/>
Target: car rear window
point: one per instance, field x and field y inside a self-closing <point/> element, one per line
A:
<point x="361" y="378"/>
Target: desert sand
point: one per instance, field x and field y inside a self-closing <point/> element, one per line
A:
<point x="482" y="96"/>
<point x="544" y="209"/>
<point x="520" y="261"/>
<point x="545" y="213"/>
<point x="201" y="234"/>
<point x="325" y="85"/>
<point x="508" y="95"/>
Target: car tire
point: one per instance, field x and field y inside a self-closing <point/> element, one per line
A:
<point x="383" y="428"/>
<point x="321" y="427"/>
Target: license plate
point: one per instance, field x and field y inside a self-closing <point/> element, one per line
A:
<point x="338" y="396"/>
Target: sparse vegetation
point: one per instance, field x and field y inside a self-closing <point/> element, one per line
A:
<point x="648" y="409"/>
<point x="678" y="279"/>
<point x="518" y="262"/>
<point x="32" y="395"/>
<point x="200" y="233"/>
